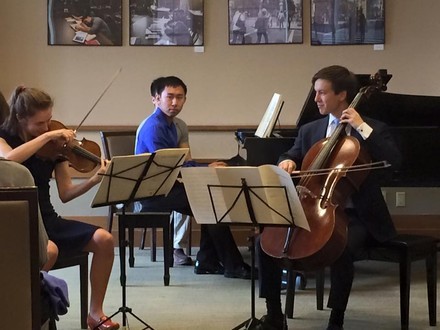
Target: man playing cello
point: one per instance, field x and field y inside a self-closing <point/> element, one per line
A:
<point x="367" y="212"/>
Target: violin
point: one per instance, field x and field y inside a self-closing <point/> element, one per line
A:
<point x="82" y="155"/>
<point x="323" y="190"/>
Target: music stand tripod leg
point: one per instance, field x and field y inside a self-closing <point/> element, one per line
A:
<point x="252" y="322"/>
<point x="124" y="309"/>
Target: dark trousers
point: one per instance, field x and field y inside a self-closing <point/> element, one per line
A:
<point x="217" y="244"/>
<point x="216" y="241"/>
<point x="341" y="271"/>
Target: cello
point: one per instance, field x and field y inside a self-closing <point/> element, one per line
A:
<point x="323" y="190"/>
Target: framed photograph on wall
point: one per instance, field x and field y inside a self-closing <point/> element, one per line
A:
<point x="265" y="22"/>
<point x="84" y="22"/>
<point x="347" y="22"/>
<point x="166" y="23"/>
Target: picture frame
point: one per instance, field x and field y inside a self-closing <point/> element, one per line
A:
<point x="258" y="22"/>
<point x="84" y="22"/>
<point x="166" y="22"/>
<point x="348" y="22"/>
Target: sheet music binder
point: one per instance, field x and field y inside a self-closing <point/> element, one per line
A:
<point x="216" y="196"/>
<point x="135" y="177"/>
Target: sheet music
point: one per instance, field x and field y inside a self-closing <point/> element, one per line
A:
<point x="270" y="116"/>
<point x="265" y="182"/>
<point x="124" y="172"/>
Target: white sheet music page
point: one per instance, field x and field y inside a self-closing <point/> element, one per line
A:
<point x="123" y="173"/>
<point x="216" y="194"/>
<point x="267" y="123"/>
<point x="159" y="175"/>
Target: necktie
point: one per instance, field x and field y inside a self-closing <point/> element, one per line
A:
<point x="332" y="127"/>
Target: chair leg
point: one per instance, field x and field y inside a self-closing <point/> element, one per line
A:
<point x="167" y="246"/>
<point x="431" y="280"/>
<point x="320" y="281"/>
<point x="84" y="295"/>
<point x="144" y="237"/>
<point x="131" y="246"/>
<point x="405" y="278"/>
<point x="188" y="248"/>
<point x="290" y="293"/>
<point x="171" y="242"/>
<point x="110" y="219"/>
<point x="153" y="244"/>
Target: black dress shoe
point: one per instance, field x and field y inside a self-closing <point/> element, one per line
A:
<point x="243" y="272"/>
<point x="201" y="269"/>
<point x="270" y="323"/>
<point x="332" y="326"/>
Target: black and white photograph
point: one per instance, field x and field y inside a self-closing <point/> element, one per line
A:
<point x="84" y="22"/>
<point x="166" y="23"/>
<point x="265" y="22"/>
<point x="347" y="22"/>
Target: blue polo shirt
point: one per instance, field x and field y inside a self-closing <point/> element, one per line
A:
<point x="155" y="133"/>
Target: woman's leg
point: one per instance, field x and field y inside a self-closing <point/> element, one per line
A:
<point x="102" y="247"/>
<point x="52" y="256"/>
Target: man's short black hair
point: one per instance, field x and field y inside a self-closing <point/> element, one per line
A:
<point x="171" y="81"/>
<point x="156" y="86"/>
<point x="341" y="79"/>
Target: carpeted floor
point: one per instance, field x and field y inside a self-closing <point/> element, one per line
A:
<point x="206" y="302"/>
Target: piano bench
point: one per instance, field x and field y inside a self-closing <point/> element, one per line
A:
<point x="131" y="220"/>
<point x="403" y="249"/>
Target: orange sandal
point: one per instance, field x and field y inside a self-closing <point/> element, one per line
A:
<point x="104" y="323"/>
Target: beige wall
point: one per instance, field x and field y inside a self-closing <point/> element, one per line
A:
<point x="228" y="85"/>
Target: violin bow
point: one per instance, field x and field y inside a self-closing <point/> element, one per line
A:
<point x="99" y="98"/>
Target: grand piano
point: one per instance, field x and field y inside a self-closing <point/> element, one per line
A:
<point x="414" y="120"/>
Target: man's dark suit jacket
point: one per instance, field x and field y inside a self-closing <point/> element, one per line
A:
<point x="368" y="201"/>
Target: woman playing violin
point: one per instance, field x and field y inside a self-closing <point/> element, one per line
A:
<point x="22" y="135"/>
<point x="366" y="210"/>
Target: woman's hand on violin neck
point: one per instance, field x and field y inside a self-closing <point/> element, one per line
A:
<point x="62" y="136"/>
<point x="97" y="177"/>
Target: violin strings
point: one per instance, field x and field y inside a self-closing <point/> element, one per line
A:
<point x="86" y="154"/>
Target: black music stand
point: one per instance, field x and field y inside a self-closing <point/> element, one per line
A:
<point x="131" y="178"/>
<point x="270" y="199"/>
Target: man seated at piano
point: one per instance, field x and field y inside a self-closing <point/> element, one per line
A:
<point x="218" y="252"/>
<point x="181" y="221"/>
<point x="366" y="210"/>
